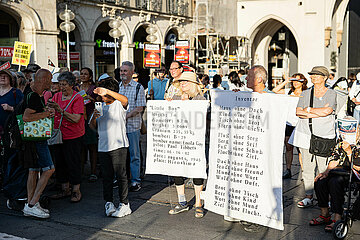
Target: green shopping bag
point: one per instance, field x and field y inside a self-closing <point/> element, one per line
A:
<point x="36" y="130"/>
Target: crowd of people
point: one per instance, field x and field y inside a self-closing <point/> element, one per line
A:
<point x="101" y="120"/>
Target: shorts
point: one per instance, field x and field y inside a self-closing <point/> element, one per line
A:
<point x="44" y="162"/>
<point x="289" y="130"/>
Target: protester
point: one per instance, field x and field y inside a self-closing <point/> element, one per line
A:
<point x="53" y="89"/>
<point x="90" y="138"/>
<point x="217" y="83"/>
<point x="298" y="85"/>
<point x="354" y="95"/>
<point x="136" y="99"/>
<point x="176" y="69"/>
<point x="77" y="77"/>
<point x="113" y="145"/>
<point x="235" y="82"/>
<point x="21" y="81"/>
<point x="330" y="81"/>
<point x="323" y="125"/>
<point x="29" y="72"/>
<point x="352" y="79"/>
<point x="69" y="106"/>
<point x="190" y="89"/>
<point x="330" y="185"/>
<point x="35" y="110"/>
<point x="156" y="86"/>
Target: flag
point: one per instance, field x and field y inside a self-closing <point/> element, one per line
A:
<point x="50" y="63"/>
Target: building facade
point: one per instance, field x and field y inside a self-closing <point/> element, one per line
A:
<point x="37" y="22"/>
<point x="295" y="35"/>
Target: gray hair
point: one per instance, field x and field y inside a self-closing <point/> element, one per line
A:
<point x="260" y="71"/>
<point x="129" y="64"/>
<point x="76" y="73"/>
<point x="68" y="77"/>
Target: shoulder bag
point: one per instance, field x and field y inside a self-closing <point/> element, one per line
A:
<point x="319" y="146"/>
<point x="56" y="137"/>
<point x="350" y="106"/>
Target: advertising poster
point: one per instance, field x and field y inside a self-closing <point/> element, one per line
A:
<point x="347" y="130"/>
<point x="176" y="138"/>
<point x="182" y="52"/>
<point x="152" y="55"/>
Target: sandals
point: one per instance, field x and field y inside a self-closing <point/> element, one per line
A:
<point x="75" y="197"/>
<point x="62" y="194"/>
<point x="320" y="220"/>
<point x="199" y="212"/>
<point x="306" y="202"/>
<point x="330" y="227"/>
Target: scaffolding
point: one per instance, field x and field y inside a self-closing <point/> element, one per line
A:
<point x="217" y="44"/>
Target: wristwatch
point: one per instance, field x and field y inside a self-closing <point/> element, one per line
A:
<point x="308" y="109"/>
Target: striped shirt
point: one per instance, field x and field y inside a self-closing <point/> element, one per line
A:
<point x="133" y="124"/>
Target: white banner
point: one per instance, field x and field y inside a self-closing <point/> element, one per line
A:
<point x="246" y="156"/>
<point x="176" y="138"/>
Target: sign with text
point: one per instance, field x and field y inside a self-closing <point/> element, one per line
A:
<point x="6" y="65"/>
<point x="182" y="49"/>
<point x="74" y="56"/>
<point x="348" y="130"/>
<point x="152" y="55"/>
<point x="246" y="155"/>
<point x="176" y="138"/>
<point x="6" y="52"/>
<point x="21" y="55"/>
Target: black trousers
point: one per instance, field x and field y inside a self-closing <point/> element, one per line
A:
<point x="68" y="161"/>
<point x="333" y="185"/>
<point x="114" y="162"/>
<point x="180" y="181"/>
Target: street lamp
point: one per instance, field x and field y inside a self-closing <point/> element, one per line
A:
<point x="67" y="26"/>
<point x="115" y="32"/>
<point x="151" y="30"/>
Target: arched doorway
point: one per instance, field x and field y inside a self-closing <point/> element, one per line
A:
<point x="139" y="40"/>
<point x="170" y="39"/>
<point x="105" y="50"/>
<point x="9" y="33"/>
<point x="274" y="46"/>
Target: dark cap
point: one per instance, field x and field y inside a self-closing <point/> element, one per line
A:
<point x="319" y="70"/>
<point x="32" y="67"/>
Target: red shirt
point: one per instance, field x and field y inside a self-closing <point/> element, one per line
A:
<point x="68" y="129"/>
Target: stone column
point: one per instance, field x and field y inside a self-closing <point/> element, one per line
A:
<point x="87" y="54"/>
<point x="126" y="53"/>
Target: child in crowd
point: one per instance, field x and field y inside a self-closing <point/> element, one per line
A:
<point x="110" y="120"/>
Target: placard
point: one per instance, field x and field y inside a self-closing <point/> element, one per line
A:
<point x="152" y="55"/>
<point x="246" y="156"/>
<point x="348" y="130"/>
<point x="21" y="55"/>
<point x="176" y="138"/>
<point x="182" y="52"/>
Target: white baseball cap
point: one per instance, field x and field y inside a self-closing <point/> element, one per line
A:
<point x="55" y="77"/>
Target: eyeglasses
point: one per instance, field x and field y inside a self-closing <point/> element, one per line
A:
<point x="172" y="69"/>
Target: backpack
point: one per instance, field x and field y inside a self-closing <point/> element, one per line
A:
<point x="12" y="137"/>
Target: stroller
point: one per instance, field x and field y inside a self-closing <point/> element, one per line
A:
<point x="352" y="209"/>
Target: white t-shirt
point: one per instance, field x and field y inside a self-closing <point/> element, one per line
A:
<point x="112" y="127"/>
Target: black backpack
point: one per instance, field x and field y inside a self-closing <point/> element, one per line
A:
<point x="12" y="137"/>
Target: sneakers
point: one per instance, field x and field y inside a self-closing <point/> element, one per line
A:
<point x="179" y="208"/>
<point x="287" y="174"/>
<point x="122" y="210"/>
<point x="109" y="208"/>
<point x="135" y="187"/>
<point x="35" y="211"/>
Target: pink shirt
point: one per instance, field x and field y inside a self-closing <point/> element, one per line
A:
<point x="68" y="129"/>
<point x="47" y="95"/>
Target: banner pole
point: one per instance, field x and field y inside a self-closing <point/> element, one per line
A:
<point x="19" y="68"/>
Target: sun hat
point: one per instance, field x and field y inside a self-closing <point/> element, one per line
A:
<point x="103" y="76"/>
<point x="188" y="76"/>
<point x="8" y="73"/>
<point x="319" y="70"/>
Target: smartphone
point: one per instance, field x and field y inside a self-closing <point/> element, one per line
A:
<point x="99" y="108"/>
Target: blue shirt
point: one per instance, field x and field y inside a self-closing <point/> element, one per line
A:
<point x="158" y="87"/>
<point x="12" y="98"/>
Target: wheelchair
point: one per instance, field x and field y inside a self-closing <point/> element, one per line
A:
<point x="351" y="210"/>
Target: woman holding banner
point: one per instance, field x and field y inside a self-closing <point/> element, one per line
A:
<point x="190" y="89"/>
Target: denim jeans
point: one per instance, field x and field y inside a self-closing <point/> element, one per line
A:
<point x="45" y="161"/>
<point x="134" y="150"/>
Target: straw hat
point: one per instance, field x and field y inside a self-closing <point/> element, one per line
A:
<point x="187" y="76"/>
